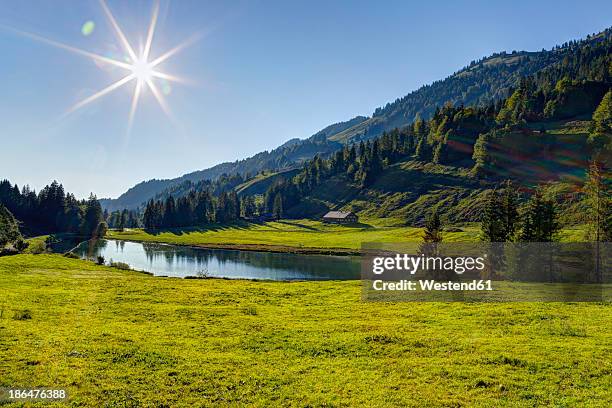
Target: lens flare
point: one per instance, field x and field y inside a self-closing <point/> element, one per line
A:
<point x="88" y="28"/>
<point x="140" y="66"/>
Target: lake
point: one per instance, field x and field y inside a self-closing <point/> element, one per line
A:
<point x="182" y="261"/>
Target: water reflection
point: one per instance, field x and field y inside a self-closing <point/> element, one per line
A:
<point x="171" y="260"/>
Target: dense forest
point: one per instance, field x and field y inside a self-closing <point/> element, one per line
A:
<point x="52" y="210"/>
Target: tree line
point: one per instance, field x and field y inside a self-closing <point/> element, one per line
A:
<point x="52" y="210"/>
<point x="197" y="208"/>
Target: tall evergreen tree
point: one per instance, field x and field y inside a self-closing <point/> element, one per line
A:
<point x="598" y="202"/>
<point x="540" y="219"/>
<point x="509" y="203"/>
<point x="277" y="210"/>
<point x="433" y="228"/>
<point x="92" y="217"/>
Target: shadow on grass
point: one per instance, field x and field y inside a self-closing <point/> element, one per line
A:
<point x="246" y="225"/>
<point x="297" y="224"/>
<point x="238" y="225"/>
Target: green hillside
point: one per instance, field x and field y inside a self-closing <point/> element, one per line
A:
<point x="406" y="191"/>
<point x="261" y="182"/>
<point x="480" y="83"/>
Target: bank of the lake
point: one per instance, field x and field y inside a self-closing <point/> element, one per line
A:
<point x="120" y="338"/>
<point x="297" y="236"/>
<point x="306" y="236"/>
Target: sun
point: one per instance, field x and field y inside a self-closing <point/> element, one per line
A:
<point x="142" y="68"/>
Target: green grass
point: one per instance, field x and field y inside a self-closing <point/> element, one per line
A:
<point x="119" y="338"/>
<point x="289" y="233"/>
<point x="308" y="234"/>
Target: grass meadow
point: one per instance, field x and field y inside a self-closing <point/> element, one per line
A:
<point x="124" y="339"/>
<point x="305" y="234"/>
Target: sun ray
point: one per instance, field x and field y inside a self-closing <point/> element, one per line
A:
<point x="174" y="50"/>
<point x="134" y="105"/>
<point x="160" y="98"/>
<point x="101" y="93"/>
<point x="149" y="42"/>
<point x="70" y="48"/>
<point x="126" y="45"/>
<point x="170" y="77"/>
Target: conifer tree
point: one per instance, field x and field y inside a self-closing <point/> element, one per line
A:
<point x="598" y="203"/>
<point x="509" y="202"/>
<point x="481" y="156"/>
<point x="540" y="223"/>
<point x="92" y="216"/>
<point x="492" y="225"/>
<point x="433" y="228"/>
<point x="277" y="210"/>
<point x="169" y="213"/>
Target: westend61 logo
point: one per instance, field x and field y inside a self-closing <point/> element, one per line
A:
<point x="487" y="272"/>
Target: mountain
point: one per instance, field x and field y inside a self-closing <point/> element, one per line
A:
<point x="481" y="82"/>
<point x="287" y="156"/>
<point x="543" y="136"/>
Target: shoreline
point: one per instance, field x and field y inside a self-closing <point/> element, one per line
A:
<point x="257" y="248"/>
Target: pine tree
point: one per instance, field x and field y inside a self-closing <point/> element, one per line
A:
<point x="123" y="219"/>
<point x="509" y="202"/>
<point x="440" y="152"/>
<point x="422" y="149"/>
<point x="92" y="217"/>
<point x="598" y="202"/>
<point x="492" y="225"/>
<point x="481" y="157"/>
<point x="540" y="223"/>
<point x="221" y="209"/>
<point x="169" y="213"/>
<point x="148" y="216"/>
<point x="277" y="210"/>
<point x="432" y="237"/>
<point x="433" y="228"/>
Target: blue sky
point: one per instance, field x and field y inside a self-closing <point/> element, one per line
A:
<point x="264" y="72"/>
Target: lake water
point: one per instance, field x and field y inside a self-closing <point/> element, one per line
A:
<point x="181" y="261"/>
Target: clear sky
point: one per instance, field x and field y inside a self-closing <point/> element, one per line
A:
<point x="262" y="73"/>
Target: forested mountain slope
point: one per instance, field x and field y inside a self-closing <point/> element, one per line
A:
<point x="480" y="83"/>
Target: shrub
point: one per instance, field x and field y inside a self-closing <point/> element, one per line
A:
<point x="21" y="245"/>
<point x="101" y="230"/>
<point x="250" y="311"/>
<point x="24" y="314"/>
<point x="203" y="273"/>
<point x="38" y="247"/>
<point x="120" y="265"/>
